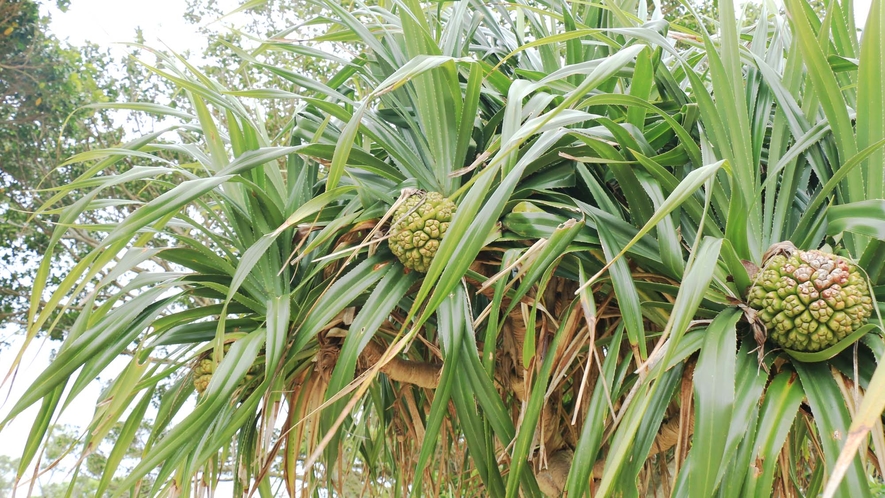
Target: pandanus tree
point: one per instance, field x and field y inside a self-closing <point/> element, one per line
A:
<point x="504" y="249"/>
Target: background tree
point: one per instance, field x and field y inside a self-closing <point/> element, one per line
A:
<point x="61" y="460"/>
<point x="58" y="101"/>
<point x="42" y="82"/>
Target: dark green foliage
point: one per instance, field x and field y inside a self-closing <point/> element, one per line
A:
<point x="42" y="82"/>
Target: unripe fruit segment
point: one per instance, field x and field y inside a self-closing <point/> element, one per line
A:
<point x="418" y="226"/>
<point x="810" y="300"/>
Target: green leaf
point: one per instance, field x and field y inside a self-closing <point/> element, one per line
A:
<point x="278" y="312"/>
<point x="782" y="400"/>
<point x="870" y="121"/>
<point x="452" y="325"/>
<point x="533" y="410"/>
<point x="113" y="333"/>
<point x="218" y="394"/>
<point x="831" y="99"/>
<point x="340" y="295"/>
<point x="217" y="152"/>
<point x="625" y="290"/>
<point x="835" y="349"/>
<point x="39" y="428"/>
<point x="691" y="292"/>
<point x="823" y="396"/>
<point x="714" y="386"/>
<point x="587" y="449"/>
<point x="124" y="441"/>
<point x="863" y="217"/>
<point x="865" y="419"/>
<point x="810" y="214"/>
<point x="686" y="189"/>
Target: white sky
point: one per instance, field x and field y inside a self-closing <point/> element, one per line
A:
<point x="113" y="21"/>
<point x="861" y="9"/>
<point x="107" y="22"/>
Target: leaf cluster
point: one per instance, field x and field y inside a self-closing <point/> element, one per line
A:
<point x="582" y="327"/>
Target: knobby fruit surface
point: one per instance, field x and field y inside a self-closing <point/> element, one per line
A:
<point x="205" y="366"/>
<point x="810" y="300"/>
<point x="419" y="225"/>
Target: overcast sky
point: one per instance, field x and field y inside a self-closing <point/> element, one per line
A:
<point x="861" y="9"/>
<point x="106" y="22"/>
<point x="110" y="21"/>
